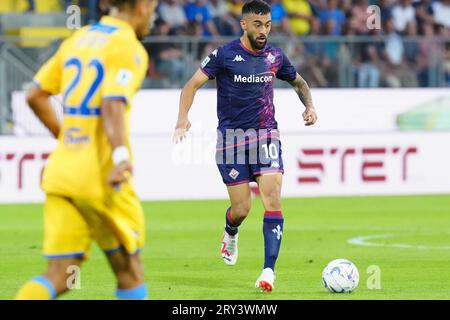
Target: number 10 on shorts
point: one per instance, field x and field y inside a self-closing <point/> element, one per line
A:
<point x="271" y="151"/>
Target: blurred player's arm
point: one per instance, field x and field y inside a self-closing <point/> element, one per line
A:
<point x="39" y="102"/>
<point x="125" y="68"/>
<point x="304" y="93"/>
<point x="187" y="98"/>
<point x="47" y="83"/>
<point x="113" y="118"/>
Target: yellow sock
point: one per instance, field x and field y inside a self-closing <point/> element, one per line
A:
<point x="39" y="288"/>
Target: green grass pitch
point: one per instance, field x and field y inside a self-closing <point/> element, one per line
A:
<point x="182" y="254"/>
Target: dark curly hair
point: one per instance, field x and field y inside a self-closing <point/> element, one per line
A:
<point x="256" y="6"/>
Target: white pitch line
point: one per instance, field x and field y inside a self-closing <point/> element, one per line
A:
<point x="364" y="241"/>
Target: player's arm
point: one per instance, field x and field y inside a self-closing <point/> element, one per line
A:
<point x="113" y="118"/>
<point x="304" y="93"/>
<point x="39" y="102"/>
<point x="47" y="83"/>
<point x="187" y="98"/>
<point x="125" y="65"/>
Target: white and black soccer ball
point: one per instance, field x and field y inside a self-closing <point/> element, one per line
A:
<point x="340" y="276"/>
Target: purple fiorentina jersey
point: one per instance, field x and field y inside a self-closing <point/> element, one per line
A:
<point x="245" y="82"/>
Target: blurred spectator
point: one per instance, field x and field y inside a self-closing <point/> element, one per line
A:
<point x="31" y="5"/>
<point x="46" y="6"/>
<point x="167" y="60"/>
<point x="369" y="62"/>
<point x="359" y="17"/>
<point x="313" y="50"/>
<point x="331" y="15"/>
<point x="413" y="54"/>
<point x="429" y="53"/>
<point x="296" y="50"/>
<point x="94" y="9"/>
<point x="385" y="10"/>
<point x="445" y="33"/>
<point x="39" y="6"/>
<point x="393" y="44"/>
<point x="194" y="29"/>
<point x="346" y="6"/>
<point x="397" y="72"/>
<point x="280" y="21"/>
<point x="300" y="15"/>
<point x="402" y="14"/>
<point x="225" y="23"/>
<point x="316" y="5"/>
<point x="441" y="12"/>
<point x="368" y="71"/>
<point x="424" y="13"/>
<point x="235" y="7"/>
<point x="330" y="47"/>
<point x="393" y="54"/>
<point x="9" y="6"/>
<point x="197" y="49"/>
<point x="66" y="3"/>
<point x="197" y="10"/>
<point x="330" y="54"/>
<point x="174" y="15"/>
<point x="411" y="47"/>
<point x="446" y="64"/>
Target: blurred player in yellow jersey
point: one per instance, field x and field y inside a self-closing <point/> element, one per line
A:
<point x="88" y="178"/>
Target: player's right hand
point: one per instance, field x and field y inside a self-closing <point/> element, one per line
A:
<point x="120" y="173"/>
<point x="310" y="116"/>
<point x="181" y="129"/>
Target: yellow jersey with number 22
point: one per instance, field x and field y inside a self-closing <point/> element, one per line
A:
<point x="99" y="62"/>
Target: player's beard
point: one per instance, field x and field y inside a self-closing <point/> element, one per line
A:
<point x="256" y="45"/>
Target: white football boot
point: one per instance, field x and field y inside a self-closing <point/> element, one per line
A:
<point x="229" y="248"/>
<point x="266" y="280"/>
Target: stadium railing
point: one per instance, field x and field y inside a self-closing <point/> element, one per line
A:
<point x="337" y="58"/>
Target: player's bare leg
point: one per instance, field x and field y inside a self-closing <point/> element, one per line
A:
<point x="52" y="283"/>
<point x="270" y="191"/>
<point x="240" y="198"/>
<point x="129" y="272"/>
<point x="241" y="202"/>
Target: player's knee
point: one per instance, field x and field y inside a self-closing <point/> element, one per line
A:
<point x="241" y="211"/>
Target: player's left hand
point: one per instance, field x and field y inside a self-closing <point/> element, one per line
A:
<point x="120" y="173"/>
<point x="310" y="116"/>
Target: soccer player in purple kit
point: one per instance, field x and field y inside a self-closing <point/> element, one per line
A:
<point x="245" y="71"/>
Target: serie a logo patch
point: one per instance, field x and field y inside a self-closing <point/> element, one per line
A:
<point x="205" y="62"/>
<point x="124" y="77"/>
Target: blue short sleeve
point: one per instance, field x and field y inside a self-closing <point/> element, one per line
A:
<point x="287" y="71"/>
<point x="213" y="64"/>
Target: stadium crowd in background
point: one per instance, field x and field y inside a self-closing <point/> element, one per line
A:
<point x="393" y="61"/>
<point x="301" y="17"/>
